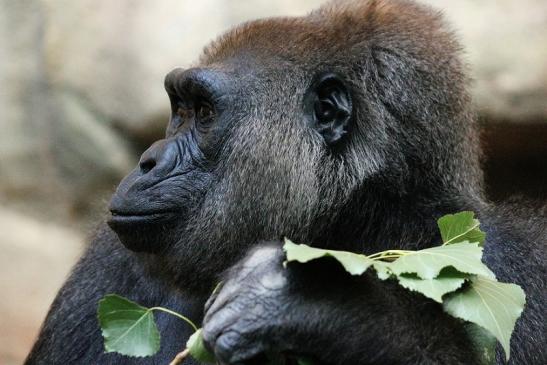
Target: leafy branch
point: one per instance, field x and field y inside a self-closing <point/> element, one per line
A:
<point x="129" y="329"/>
<point x="439" y="273"/>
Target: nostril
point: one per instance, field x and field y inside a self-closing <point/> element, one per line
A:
<point x="147" y="165"/>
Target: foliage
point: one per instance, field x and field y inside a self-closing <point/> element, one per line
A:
<point x="197" y="350"/>
<point x="127" y="327"/>
<point x="440" y="273"/>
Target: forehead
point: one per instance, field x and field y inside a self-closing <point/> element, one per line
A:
<point x="276" y="42"/>
<point x="254" y="53"/>
<point x="345" y="37"/>
<point x="339" y="31"/>
<point x="256" y="37"/>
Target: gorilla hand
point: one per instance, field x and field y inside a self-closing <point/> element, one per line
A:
<point x="319" y="311"/>
<point x="253" y="312"/>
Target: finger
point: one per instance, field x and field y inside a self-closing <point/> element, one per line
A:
<point x="215" y="324"/>
<point x="213" y="296"/>
<point x="221" y="299"/>
<point x="232" y="348"/>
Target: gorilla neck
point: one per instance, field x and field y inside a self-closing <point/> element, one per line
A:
<point x="380" y="221"/>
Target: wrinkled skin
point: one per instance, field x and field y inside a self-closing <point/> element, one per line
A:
<point x="350" y="128"/>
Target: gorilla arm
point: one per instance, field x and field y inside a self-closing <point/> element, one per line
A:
<point x="319" y="310"/>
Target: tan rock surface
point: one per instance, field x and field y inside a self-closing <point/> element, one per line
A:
<point x="36" y="258"/>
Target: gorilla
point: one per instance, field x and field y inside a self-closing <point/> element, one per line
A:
<point x="350" y="128"/>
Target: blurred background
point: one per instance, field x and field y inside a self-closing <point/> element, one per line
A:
<point x="81" y="96"/>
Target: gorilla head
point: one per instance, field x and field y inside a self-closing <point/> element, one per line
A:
<point x="334" y="127"/>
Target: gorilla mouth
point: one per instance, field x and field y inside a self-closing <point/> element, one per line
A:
<point x="142" y="231"/>
<point x="120" y="217"/>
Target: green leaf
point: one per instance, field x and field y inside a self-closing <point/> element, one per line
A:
<point x="382" y="269"/>
<point x="127" y="327"/>
<point x="483" y="342"/>
<point x="427" y="264"/>
<point x="447" y="282"/>
<point x="198" y="350"/>
<point x="355" y="264"/>
<point x="492" y="305"/>
<point x="460" y="227"/>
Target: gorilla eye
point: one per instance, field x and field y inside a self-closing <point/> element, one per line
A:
<point x="204" y="110"/>
<point x="184" y="113"/>
<point x="328" y="107"/>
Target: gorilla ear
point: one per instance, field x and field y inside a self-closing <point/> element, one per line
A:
<point x="328" y="107"/>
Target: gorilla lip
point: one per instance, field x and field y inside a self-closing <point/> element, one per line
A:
<point x="140" y="231"/>
<point x="132" y="218"/>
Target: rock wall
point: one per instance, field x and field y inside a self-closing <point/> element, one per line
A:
<point x="506" y="47"/>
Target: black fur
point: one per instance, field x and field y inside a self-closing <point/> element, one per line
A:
<point x="242" y="164"/>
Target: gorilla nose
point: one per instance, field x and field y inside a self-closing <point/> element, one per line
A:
<point x="157" y="158"/>
<point x="146" y="164"/>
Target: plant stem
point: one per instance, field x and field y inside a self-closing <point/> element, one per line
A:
<point x="476" y="225"/>
<point x="180" y="357"/>
<point x="387" y="257"/>
<point x="390" y="253"/>
<point x="187" y="320"/>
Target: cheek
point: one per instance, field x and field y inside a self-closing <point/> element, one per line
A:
<point x="266" y="182"/>
<point x="184" y="191"/>
<point x="275" y="187"/>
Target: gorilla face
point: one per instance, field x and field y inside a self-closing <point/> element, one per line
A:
<point x="235" y="165"/>
<point x="155" y="200"/>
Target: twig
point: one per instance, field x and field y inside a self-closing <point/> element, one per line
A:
<point x="180" y="357"/>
